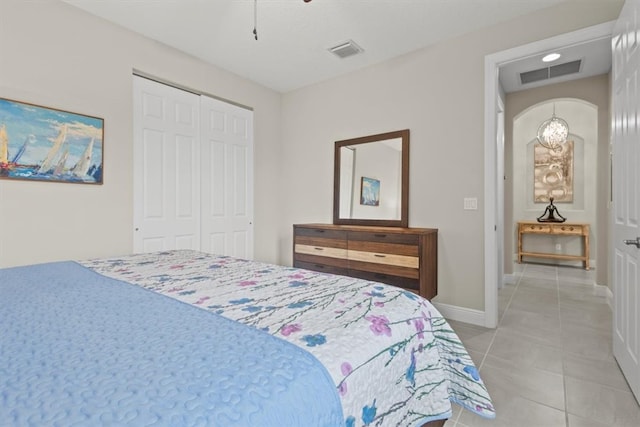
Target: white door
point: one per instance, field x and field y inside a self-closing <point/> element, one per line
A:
<point x="227" y="178"/>
<point x="626" y="185"/>
<point x="166" y="181"/>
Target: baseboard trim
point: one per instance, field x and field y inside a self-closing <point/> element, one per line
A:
<point x="460" y="314"/>
<point x="604" y="291"/>
<point x="509" y="279"/>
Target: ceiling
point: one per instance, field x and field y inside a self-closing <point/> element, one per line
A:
<point x="294" y="35"/>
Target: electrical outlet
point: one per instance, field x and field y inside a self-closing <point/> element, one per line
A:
<point x="558" y="247"/>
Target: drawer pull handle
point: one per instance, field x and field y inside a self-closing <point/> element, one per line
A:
<point x="320" y="266"/>
<point x="318" y="249"/>
<point x="380" y="255"/>
<point x="380" y="235"/>
<point x="319" y="231"/>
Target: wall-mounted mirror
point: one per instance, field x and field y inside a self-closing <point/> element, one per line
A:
<point x="371" y="180"/>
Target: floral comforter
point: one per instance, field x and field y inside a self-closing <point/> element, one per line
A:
<point x="394" y="359"/>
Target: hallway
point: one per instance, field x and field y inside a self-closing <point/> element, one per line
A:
<point x="549" y="363"/>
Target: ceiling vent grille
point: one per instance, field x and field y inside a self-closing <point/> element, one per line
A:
<point x="550" y="72"/>
<point x="346" y="49"/>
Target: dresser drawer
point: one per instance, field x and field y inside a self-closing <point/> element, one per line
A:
<point x="392" y="270"/>
<point x="322" y="267"/>
<point x="383" y="237"/>
<point x="321" y="251"/>
<point x="536" y="228"/>
<point x="403" y="282"/>
<point x="384" y="258"/>
<point x="384" y="248"/>
<point x="567" y="229"/>
<point x="321" y="233"/>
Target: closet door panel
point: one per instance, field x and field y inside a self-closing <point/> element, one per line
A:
<point x="227" y="178"/>
<point x="166" y="168"/>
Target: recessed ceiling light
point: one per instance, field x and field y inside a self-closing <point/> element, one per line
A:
<point x="551" y="57"/>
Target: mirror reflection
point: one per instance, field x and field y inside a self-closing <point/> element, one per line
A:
<point x="371" y="180"/>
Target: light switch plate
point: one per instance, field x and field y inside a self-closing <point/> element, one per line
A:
<point x="470" y="203"/>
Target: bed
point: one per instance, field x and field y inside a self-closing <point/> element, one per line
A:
<point x="188" y="338"/>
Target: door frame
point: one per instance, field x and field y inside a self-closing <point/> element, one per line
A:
<point x="492" y="191"/>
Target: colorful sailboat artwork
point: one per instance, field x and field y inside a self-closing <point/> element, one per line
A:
<point x="39" y="143"/>
<point x="4" y="146"/>
<point x="47" y="164"/>
<point x="82" y="167"/>
<point x="16" y="157"/>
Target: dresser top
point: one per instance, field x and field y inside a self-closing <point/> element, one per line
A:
<point x="365" y="228"/>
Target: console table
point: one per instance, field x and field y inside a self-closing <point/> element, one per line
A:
<point x="555" y="229"/>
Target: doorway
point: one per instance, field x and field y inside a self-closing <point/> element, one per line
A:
<point x="493" y="192"/>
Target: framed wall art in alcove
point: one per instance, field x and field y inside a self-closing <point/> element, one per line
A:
<point x="553" y="173"/>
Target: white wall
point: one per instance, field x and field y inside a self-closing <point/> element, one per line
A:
<point x="437" y="93"/>
<point x="53" y="54"/>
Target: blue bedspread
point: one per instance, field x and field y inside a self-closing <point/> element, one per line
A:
<point x="78" y="348"/>
<point x="394" y="359"/>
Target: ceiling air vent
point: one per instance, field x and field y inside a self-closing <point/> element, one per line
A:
<point x="564" y="69"/>
<point x="534" y="76"/>
<point x="550" y="72"/>
<point x="346" y="49"/>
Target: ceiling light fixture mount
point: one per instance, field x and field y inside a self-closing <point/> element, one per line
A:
<point x="553" y="133"/>
<point x="255" y="18"/>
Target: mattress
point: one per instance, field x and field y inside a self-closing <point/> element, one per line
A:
<point x="393" y="359"/>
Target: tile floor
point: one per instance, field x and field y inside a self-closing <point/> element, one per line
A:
<point x="549" y="363"/>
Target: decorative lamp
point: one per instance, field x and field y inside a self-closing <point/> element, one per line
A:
<point x="553" y="132"/>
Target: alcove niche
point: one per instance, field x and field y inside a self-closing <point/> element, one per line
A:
<point x="582" y="118"/>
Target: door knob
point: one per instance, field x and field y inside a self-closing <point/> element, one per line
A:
<point x="635" y="242"/>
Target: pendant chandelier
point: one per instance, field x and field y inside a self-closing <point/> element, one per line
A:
<point x="553" y="132"/>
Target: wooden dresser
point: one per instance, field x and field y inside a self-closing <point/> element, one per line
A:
<point x="404" y="257"/>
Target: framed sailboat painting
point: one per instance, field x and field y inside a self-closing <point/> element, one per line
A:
<point x="46" y="144"/>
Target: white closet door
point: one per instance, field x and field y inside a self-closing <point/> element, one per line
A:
<point x="166" y="167"/>
<point x="227" y="178"/>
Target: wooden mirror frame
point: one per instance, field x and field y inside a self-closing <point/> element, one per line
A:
<point x="404" y="193"/>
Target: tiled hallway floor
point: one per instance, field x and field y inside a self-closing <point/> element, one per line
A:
<point x="549" y="363"/>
